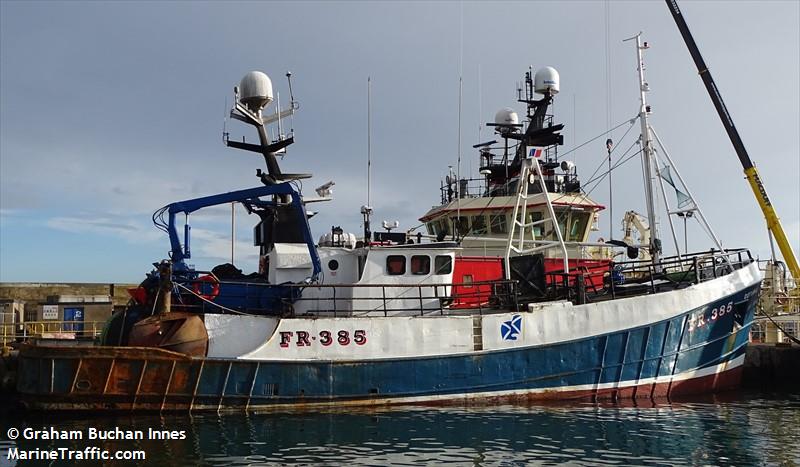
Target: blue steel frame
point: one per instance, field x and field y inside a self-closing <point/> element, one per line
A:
<point x="178" y="254"/>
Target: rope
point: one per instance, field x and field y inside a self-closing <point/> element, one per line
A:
<point x="630" y="121"/>
<point x="791" y="337"/>
<point x="237" y="312"/>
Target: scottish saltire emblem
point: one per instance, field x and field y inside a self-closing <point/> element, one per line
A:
<point x="510" y="329"/>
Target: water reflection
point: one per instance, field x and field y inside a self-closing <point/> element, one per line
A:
<point x="749" y="430"/>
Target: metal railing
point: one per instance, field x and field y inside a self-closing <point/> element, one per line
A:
<point x="351" y="299"/>
<point x="584" y="283"/>
<point x="644" y="277"/>
<point x="50" y="330"/>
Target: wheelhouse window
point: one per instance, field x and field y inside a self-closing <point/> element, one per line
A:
<point x="497" y="223"/>
<point x="538" y="229"/>
<point x="563" y="217"/>
<point x="443" y="264"/>
<point x="395" y="265"/>
<point x="577" y="226"/>
<point x="530" y="217"/>
<point x="431" y="227"/>
<point x="479" y="225"/>
<point x="461" y="224"/>
<point x="420" y="265"/>
<point x="443" y="225"/>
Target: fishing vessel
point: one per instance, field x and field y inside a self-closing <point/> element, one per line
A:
<point x="534" y="312"/>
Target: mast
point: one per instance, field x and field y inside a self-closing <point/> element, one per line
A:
<point x="647" y="153"/>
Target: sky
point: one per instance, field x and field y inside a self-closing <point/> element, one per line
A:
<point x="110" y="110"/>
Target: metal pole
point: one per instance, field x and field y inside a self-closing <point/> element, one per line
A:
<point x="647" y="153"/>
<point x="666" y="205"/>
<point x="369" y="137"/>
<point x="233" y="229"/>
<point x="685" y="236"/>
<point x="609" y="145"/>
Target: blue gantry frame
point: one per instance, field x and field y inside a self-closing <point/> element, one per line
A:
<point x="179" y="253"/>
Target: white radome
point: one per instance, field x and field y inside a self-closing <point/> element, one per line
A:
<point x="506" y="116"/>
<point x="255" y="90"/>
<point x="546" y="79"/>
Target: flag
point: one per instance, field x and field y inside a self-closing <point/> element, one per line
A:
<point x="535" y="153"/>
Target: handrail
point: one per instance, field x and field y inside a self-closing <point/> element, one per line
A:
<point x="429" y="297"/>
<point x="599" y="280"/>
<point x="10" y="332"/>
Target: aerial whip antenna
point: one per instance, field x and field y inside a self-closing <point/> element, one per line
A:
<point x="480" y="103"/>
<point x="225" y="134"/>
<point x="292" y="103"/>
<point x="609" y="146"/>
<point x="460" y="93"/>
<point x="366" y="210"/>
<point x="369" y="137"/>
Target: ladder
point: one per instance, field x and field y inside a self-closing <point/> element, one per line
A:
<point x="530" y="172"/>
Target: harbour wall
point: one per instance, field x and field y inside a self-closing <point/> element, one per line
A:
<point x="40" y="291"/>
<point x="770" y="366"/>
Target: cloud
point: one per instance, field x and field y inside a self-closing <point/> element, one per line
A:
<point x="211" y="245"/>
<point x="125" y="229"/>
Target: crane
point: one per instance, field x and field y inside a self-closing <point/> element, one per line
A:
<point x="633" y="220"/>
<point x="750" y="171"/>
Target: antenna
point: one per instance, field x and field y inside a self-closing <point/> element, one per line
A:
<point x="609" y="146"/>
<point x="278" y="114"/>
<point x="292" y="104"/>
<point x="369" y="137"/>
<point x="225" y="134"/>
<point x="460" y="93"/>
<point x="458" y="167"/>
<point x="366" y="210"/>
<point x="480" y="103"/>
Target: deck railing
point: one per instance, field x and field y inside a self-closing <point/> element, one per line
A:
<point x="587" y="283"/>
<point x="645" y="277"/>
<point x="357" y="299"/>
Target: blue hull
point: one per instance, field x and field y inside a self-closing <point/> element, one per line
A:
<point x="674" y="356"/>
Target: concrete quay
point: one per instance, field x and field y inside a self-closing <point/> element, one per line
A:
<point x="771" y="366"/>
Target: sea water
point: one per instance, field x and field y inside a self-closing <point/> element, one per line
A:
<point x="735" y="429"/>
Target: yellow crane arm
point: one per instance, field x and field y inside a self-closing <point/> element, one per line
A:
<point x="773" y="222"/>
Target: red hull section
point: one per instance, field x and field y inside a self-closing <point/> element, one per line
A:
<point x="704" y="385"/>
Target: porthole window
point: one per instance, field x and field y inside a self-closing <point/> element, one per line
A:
<point x="443" y="264"/>
<point x="333" y="265"/>
<point x="420" y="265"/>
<point x="395" y="265"/>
